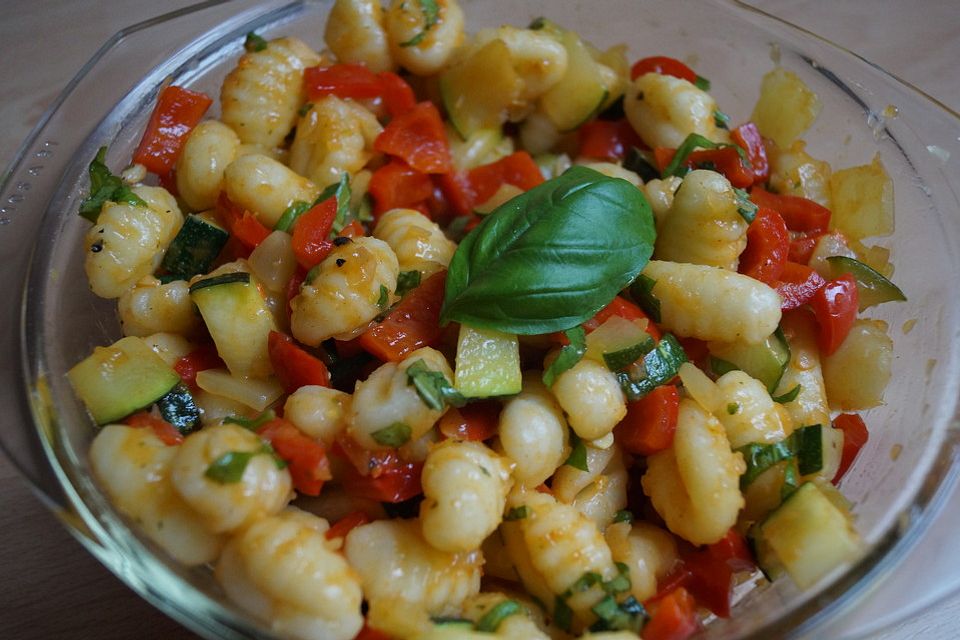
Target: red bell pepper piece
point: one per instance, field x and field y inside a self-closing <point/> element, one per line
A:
<point x="202" y="358"/>
<point x="663" y="65"/>
<point x="650" y="422"/>
<point x="457" y="191"/>
<point x="242" y="224"/>
<point x="345" y="80"/>
<point x="293" y="287"/>
<point x="802" y="246"/>
<point x="418" y="138"/>
<point x="622" y="307"/>
<point x="384" y="477"/>
<point x="607" y="139"/>
<point x="674" y="617"/>
<point x="295" y="367"/>
<point x="800" y="214"/>
<point x="305" y="457"/>
<point x="177" y="112"/>
<point x="396" y="184"/>
<point x="768" y="245"/>
<point x="475" y="421"/>
<point x="855" y="435"/>
<point x="797" y="284"/>
<point x="518" y="169"/>
<point x="311" y="233"/>
<point x="354" y="229"/>
<point x="346" y="524"/>
<point x="413" y="323"/>
<point x="398" y="97"/>
<point x="165" y="431"/>
<point x="369" y="633"/>
<point x="835" y="305"/>
<point x="748" y="137"/>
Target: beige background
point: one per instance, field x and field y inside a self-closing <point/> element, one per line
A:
<point x="49" y="586"/>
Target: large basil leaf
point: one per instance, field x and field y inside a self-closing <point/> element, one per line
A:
<point x="552" y="257"/>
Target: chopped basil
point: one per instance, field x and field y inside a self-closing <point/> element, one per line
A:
<point x="570" y="354"/>
<point x="657" y="367"/>
<point x="105" y="187"/>
<point x="809" y="446"/>
<point x="584" y="582"/>
<point x="620" y="360"/>
<point x="578" y="455"/>
<point x="340" y="189"/>
<point x="628" y="615"/>
<point x="431" y="15"/>
<point x="252" y="424"/>
<point x="384" y="300"/>
<point x="304" y="109"/>
<point x="491" y="619"/>
<point x="314" y="270"/>
<point x="538" y="23"/>
<point x="746" y="208"/>
<point x="642" y="293"/>
<point x="789" y="396"/>
<point x="254" y="42"/>
<point x="226" y="278"/>
<point x="623" y="516"/>
<point x="636" y="162"/>
<point x="732" y="408"/>
<point x="562" y="614"/>
<point x="791" y="480"/>
<point x="517" y="513"/>
<point x="702" y="83"/>
<point x="290" y="215"/>
<point x="407" y="281"/>
<point x="691" y="143"/>
<point x="397" y="434"/>
<point x="433" y="387"/>
<point x="620" y="583"/>
<point x="229" y="467"/>
<point x="721" y="119"/>
<point x="805" y="445"/>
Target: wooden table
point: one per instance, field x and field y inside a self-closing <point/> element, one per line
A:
<point x="50" y="586"/>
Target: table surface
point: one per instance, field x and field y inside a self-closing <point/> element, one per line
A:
<point x="51" y="587"/>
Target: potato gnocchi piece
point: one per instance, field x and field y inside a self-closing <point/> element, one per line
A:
<point x="262" y="490"/>
<point x="740" y="308"/>
<point x="419" y="243"/>
<point x="533" y="432"/>
<point x="387" y="406"/>
<point x="465" y="487"/>
<point x="591" y="397"/>
<point x="151" y="307"/>
<point x="527" y="623"/>
<point x="134" y="467"/>
<point x="748" y="413"/>
<point x="207" y="152"/>
<point x="283" y="570"/>
<point x="265" y="186"/>
<point x="260" y="97"/>
<point x="703" y="225"/>
<point x="660" y="195"/>
<point x="695" y="484"/>
<point x="334" y="137"/>
<point x="355" y="33"/>
<point x="600" y="491"/>
<point x="352" y="285"/>
<point x="804" y="369"/>
<point x="649" y="552"/>
<point x="664" y="110"/>
<point x="418" y="46"/>
<point x="320" y="412"/>
<point x="128" y="241"/>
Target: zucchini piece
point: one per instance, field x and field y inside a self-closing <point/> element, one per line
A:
<point x="178" y="408"/>
<point x="580" y="94"/>
<point x="488" y="363"/>
<point x="477" y="91"/>
<point x="766" y="361"/>
<point x="872" y="287"/>
<point x="809" y="536"/>
<point x="238" y="320"/>
<point x="118" y="380"/>
<point x="195" y="247"/>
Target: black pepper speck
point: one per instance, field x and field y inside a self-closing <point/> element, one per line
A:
<point x="341" y="262"/>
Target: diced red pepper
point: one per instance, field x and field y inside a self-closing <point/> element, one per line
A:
<point x="800" y="214"/>
<point x="457" y="191"/>
<point x="674" y="617"/>
<point x="650" y="422"/>
<point x="855" y="435"/>
<point x="345" y="80"/>
<point x="802" y="246"/>
<point x="295" y="367"/>
<point x="397" y="184"/>
<point x="797" y="284"/>
<point x="768" y="245"/>
<point x="663" y="65"/>
<point x="418" y="138"/>
<point x="306" y="458"/>
<point x="353" y="229"/>
<point x="748" y="137"/>
<point x="662" y="157"/>
<point x="177" y="112"/>
<point x="475" y="421"/>
<point x="242" y="224"/>
<point x="708" y="572"/>
<point x="166" y="432"/>
<point x="293" y="287"/>
<point x="835" y="305"/>
<point x="168" y="181"/>
<point x="413" y="323"/>
<point x="202" y="358"/>
<point x="346" y="524"/>
<point x="384" y="477"/>
<point x="623" y="308"/>
<point x="518" y="169"/>
<point x="369" y="633"/>
<point x="607" y="139"/>
<point x="398" y="97"/>
<point x="311" y="233"/>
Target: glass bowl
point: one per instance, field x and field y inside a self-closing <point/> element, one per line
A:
<point x="897" y="485"/>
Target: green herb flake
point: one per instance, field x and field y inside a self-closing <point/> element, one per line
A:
<point x="431" y="16"/>
<point x="584" y="582"/>
<point x="809" y="447"/>
<point x="384" y="300"/>
<point x="252" y="424"/>
<point x="623" y="516"/>
<point x="701" y="83"/>
<point x="658" y="367"/>
<point x="791" y="480"/>
<point x="105" y="187"/>
<point x="407" y="281"/>
<point x="620" y="583"/>
<point x="691" y="143"/>
<point x="570" y="354"/>
<point x="620" y="360"/>
<point x="433" y="387"/>
<point x="517" y="513"/>
<point x="746" y="208"/>
<point x="290" y="215"/>
<point x="578" y="455"/>
<point x="721" y="119"/>
<point x="304" y="109"/>
<point x="229" y="467"/>
<point x="733" y="408"/>
<point x="502" y="610"/>
<point x="562" y="614"/>
<point x="642" y="293"/>
<point x="805" y="446"/>
<point x="628" y="615"/>
<point x="719" y="366"/>
<point x="342" y="191"/>
<point x="789" y="396"/>
<point x="396" y="435"/>
<point x="254" y="43"/>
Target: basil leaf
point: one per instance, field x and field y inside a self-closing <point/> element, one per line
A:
<point x="397" y="434"/>
<point x="789" y="396"/>
<point x="433" y="387"/>
<point x="570" y="354"/>
<point x="804" y="446"/>
<point x="658" y="367"/>
<point x="342" y="191"/>
<point x="584" y="582"/>
<point x="384" y="300"/>
<point x="431" y="15"/>
<point x="746" y="208"/>
<point x="254" y="42"/>
<point x="252" y="424"/>
<point x="229" y="467"/>
<point x="491" y="619"/>
<point x="623" y="516"/>
<point x="701" y="83"/>
<point x="791" y="480"/>
<point x="517" y="513"/>
<point x="562" y="614"/>
<point x="578" y="455"/>
<point x="721" y="119"/>
<point x="626" y="616"/>
<point x="691" y="143"/>
<point x="407" y="281"/>
<point x="642" y="293"/>
<point x="621" y="582"/>
<point x="620" y="360"/>
<point x="291" y="214"/>
<point x="105" y="187"/>
<point x="636" y="162"/>
<point x="552" y="257"/>
<point x="808" y="443"/>
<point x="304" y="109"/>
<point x="732" y="408"/>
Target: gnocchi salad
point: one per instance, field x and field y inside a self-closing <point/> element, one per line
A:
<point x="429" y="334"/>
